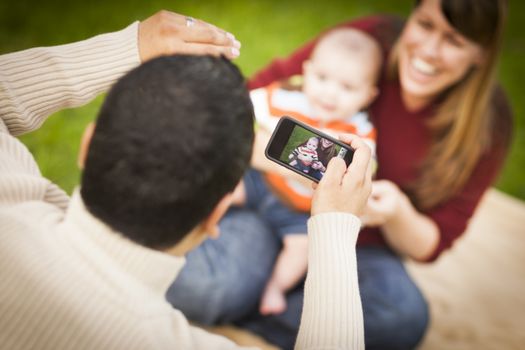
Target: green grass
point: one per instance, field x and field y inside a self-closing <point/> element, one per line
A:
<point x="267" y="29"/>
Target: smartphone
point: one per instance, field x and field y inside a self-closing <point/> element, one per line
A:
<point x="303" y="149"/>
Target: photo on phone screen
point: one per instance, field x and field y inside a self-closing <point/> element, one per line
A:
<point x="303" y="149"/>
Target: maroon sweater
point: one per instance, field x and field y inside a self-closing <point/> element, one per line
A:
<point x="403" y="139"/>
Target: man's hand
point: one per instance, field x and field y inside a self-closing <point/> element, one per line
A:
<point x="168" y="33"/>
<point x="345" y="189"/>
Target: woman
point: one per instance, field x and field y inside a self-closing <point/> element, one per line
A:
<point x="443" y="133"/>
<point x="325" y="152"/>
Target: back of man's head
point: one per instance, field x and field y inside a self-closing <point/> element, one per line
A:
<point x="172" y="138"/>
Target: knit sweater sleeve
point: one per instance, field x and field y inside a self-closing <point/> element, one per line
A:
<point x="37" y="82"/>
<point x="332" y="315"/>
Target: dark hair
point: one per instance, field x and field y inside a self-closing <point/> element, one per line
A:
<point x="477" y="20"/>
<point x="172" y="138"/>
<point x="303" y="144"/>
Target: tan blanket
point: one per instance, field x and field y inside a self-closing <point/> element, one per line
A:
<point x="477" y="289"/>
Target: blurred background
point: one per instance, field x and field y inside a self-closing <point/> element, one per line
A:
<point x="266" y="28"/>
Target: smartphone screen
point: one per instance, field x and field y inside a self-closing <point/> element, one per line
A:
<point x="304" y="149"/>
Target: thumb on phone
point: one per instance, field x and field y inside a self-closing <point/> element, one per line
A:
<point x="334" y="172"/>
<point x="327" y="196"/>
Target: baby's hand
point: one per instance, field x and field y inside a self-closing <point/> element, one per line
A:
<point x="317" y="165"/>
<point x="273" y="301"/>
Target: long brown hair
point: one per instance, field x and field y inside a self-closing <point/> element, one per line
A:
<point x="463" y="124"/>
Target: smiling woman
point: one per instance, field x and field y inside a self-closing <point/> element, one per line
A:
<point x="433" y="55"/>
<point x="440" y="51"/>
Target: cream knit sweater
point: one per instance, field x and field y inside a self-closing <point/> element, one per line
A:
<point x="70" y="282"/>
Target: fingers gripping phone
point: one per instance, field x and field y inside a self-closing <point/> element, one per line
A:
<point x="303" y="149"/>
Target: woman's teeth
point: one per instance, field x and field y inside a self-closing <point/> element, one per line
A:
<point x="423" y="67"/>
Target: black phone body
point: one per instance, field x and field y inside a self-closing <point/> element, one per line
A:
<point x="292" y="146"/>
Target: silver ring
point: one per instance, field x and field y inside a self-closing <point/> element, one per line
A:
<point x="190" y="21"/>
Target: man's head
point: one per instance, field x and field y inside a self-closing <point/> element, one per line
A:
<point x="341" y="75"/>
<point x="173" y="137"/>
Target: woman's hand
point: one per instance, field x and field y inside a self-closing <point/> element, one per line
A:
<point x="407" y="231"/>
<point x="167" y="33"/>
<point x="383" y="204"/>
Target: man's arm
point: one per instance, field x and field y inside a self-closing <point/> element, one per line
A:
<point x="37" y="82"/>
<point x="20" y="179"/>
<point x="332" y="315"/>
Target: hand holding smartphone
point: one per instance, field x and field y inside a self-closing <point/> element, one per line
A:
<point x="305" y="150"/>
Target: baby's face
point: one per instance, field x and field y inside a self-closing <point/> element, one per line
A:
<point x="312" y="144"/>
<point x="337" y="84"/>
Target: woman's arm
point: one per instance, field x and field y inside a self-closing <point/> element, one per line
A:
<point x="406" y="230"/>
<point x="425" y="235"/>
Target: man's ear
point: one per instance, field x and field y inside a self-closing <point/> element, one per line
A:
<point x="210" y="225"/>
<point x="84" y="144"/>
<point x="207" y="228"/>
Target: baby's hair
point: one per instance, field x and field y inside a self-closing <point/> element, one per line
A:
<point x="313" y="138"/>
<point x="303" y="144"/>
<point x="353" y="42"/>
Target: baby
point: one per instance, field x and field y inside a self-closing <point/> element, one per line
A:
<point x="305" y="155"/>
<point x="338" y="83"/>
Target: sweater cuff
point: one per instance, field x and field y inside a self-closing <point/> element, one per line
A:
<point x="332" y="315"/>
<point x="337" y="225"/>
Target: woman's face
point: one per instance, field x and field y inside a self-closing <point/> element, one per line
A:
<point x="432" y="54"/>
<point x="325" y="143"/>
